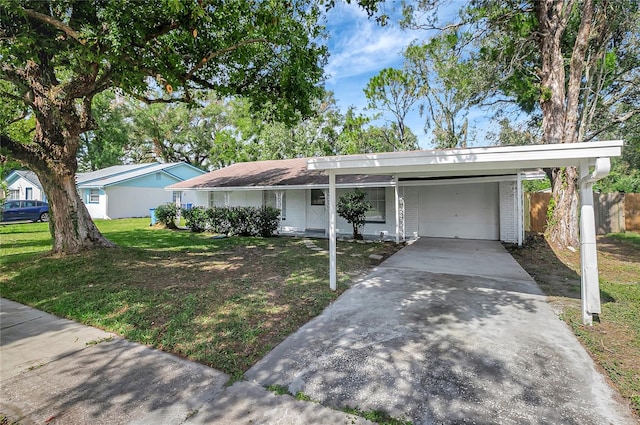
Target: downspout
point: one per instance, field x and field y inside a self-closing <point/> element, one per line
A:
<point x="590" y="285"/>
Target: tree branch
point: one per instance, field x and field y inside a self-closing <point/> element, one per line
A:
<point x="55" y="23"/>
<point x="150" y="101"/>
<point x="618" y="120"/>
<point x="212" y="55"/>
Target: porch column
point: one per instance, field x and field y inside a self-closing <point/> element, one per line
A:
<point x="279" y="195"/>
<point x="590" y="287"/>
<point x="397" y="199"/>
<point x="332" y="231"/>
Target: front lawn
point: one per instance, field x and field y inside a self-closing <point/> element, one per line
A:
<point x="221" y="302"/>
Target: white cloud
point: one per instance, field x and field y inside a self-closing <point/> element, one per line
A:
<point x="358" y="45"/>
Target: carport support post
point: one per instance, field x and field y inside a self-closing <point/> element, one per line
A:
<point x="397" y="199"/>
<point x="332" y="230"/>
<point x="588" y="253"/>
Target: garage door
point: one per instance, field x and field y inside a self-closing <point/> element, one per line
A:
<point x="468" y="211"/>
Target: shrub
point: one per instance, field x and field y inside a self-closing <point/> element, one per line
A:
<point x="243" y="221"/>
<point x="268" y="220"/>
<point x="166" y="214"/>
<point x="353" y="208"/>
<point x="196" y="218"/>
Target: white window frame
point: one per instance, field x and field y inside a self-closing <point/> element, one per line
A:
<point x="93" y="196"/>
<point x="13" y="194"/>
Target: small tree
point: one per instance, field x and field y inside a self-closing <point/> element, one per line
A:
<point x="353" y="208"/>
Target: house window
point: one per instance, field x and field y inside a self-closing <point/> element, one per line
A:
<point x="317" y="197"/>
<point x="376" y="197"/>
<point x="13" y="194"/>
<point x="216" y="199"/>
<point x="158" y="177"/>
<point x="28" y="193"/>
<point x="93" y="196"/>
<point x="269" y="200"/>
<point x="177" y="198"/>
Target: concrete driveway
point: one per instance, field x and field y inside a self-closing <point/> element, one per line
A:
<point x="446" y="332"/>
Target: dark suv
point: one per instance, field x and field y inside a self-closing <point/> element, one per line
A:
<point x="14" y="210"/>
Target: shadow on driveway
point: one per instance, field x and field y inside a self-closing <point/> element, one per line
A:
<point x="445" y="331"/>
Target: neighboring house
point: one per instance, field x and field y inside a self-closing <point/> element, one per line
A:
<point x="470" y="206"/>
<point x="131" y="190"/>
<point x="23" y="184"/>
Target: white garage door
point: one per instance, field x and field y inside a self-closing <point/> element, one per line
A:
<point x="469" y="211"/>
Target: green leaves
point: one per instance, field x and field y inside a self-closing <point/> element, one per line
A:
<point x="353" y="208"/>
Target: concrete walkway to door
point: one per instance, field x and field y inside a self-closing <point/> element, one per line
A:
<point x="443" y="332"/>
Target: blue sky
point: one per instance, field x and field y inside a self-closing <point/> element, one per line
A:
<point x="359" y="48"/>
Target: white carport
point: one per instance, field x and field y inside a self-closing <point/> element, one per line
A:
<point x="592" y="159"/>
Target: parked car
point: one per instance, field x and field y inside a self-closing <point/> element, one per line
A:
<point x="14" y="210"/>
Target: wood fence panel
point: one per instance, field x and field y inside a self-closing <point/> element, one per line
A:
<point x="539" y="203"/>
<point x="632" y="212"/>
<point x="609" y="212"/>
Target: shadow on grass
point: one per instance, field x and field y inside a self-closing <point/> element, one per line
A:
<point x="621" y="248"/>
<point x="549" y="271"/>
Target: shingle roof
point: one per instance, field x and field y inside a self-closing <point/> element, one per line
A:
<point x="118" y="173"/>
<point x="30" y="176"/>
<point x="283" y="172"/>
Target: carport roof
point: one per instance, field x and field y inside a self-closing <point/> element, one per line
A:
<point x="486" y="160"/>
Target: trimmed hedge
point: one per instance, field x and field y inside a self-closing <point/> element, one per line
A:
<point x="233" y="221"/>
<point x="196" y="218"/>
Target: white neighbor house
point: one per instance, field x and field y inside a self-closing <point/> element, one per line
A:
<point x="131" y="190"/>
<point x="476" y="206"/>
<point x="24" y="184"/>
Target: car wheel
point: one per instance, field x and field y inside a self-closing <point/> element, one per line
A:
<point x="44" y="217"/>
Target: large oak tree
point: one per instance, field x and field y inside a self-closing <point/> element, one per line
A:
<point x="568" y="61"/>
<point x="57" y="55"/>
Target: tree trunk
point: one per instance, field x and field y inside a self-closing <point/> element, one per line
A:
<point x="563" y="226"/>
<point x="69" y="221"/>
<point x="60" y="120"/>
<point x="559" y="102"/>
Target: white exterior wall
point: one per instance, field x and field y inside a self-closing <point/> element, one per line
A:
<point x="96" y="210"/>
<point x="21" y="186"/>
<point x="124" y="202"/>
<point x="246" y="198"/>
<point x="508" y="212"/>
<point x="200" y="199"/>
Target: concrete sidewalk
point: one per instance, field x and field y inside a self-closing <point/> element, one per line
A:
<point x="60" y="372"/>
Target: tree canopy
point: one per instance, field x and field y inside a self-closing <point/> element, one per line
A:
<point x="57" y="55"/>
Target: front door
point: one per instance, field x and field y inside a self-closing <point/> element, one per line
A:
<point x="316" y="210"/>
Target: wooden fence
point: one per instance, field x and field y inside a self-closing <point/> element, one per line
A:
<point x="614" y="212"/>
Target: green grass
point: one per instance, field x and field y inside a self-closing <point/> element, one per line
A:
<point x="222" y="302"/>
<point x="628" y="237"/>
